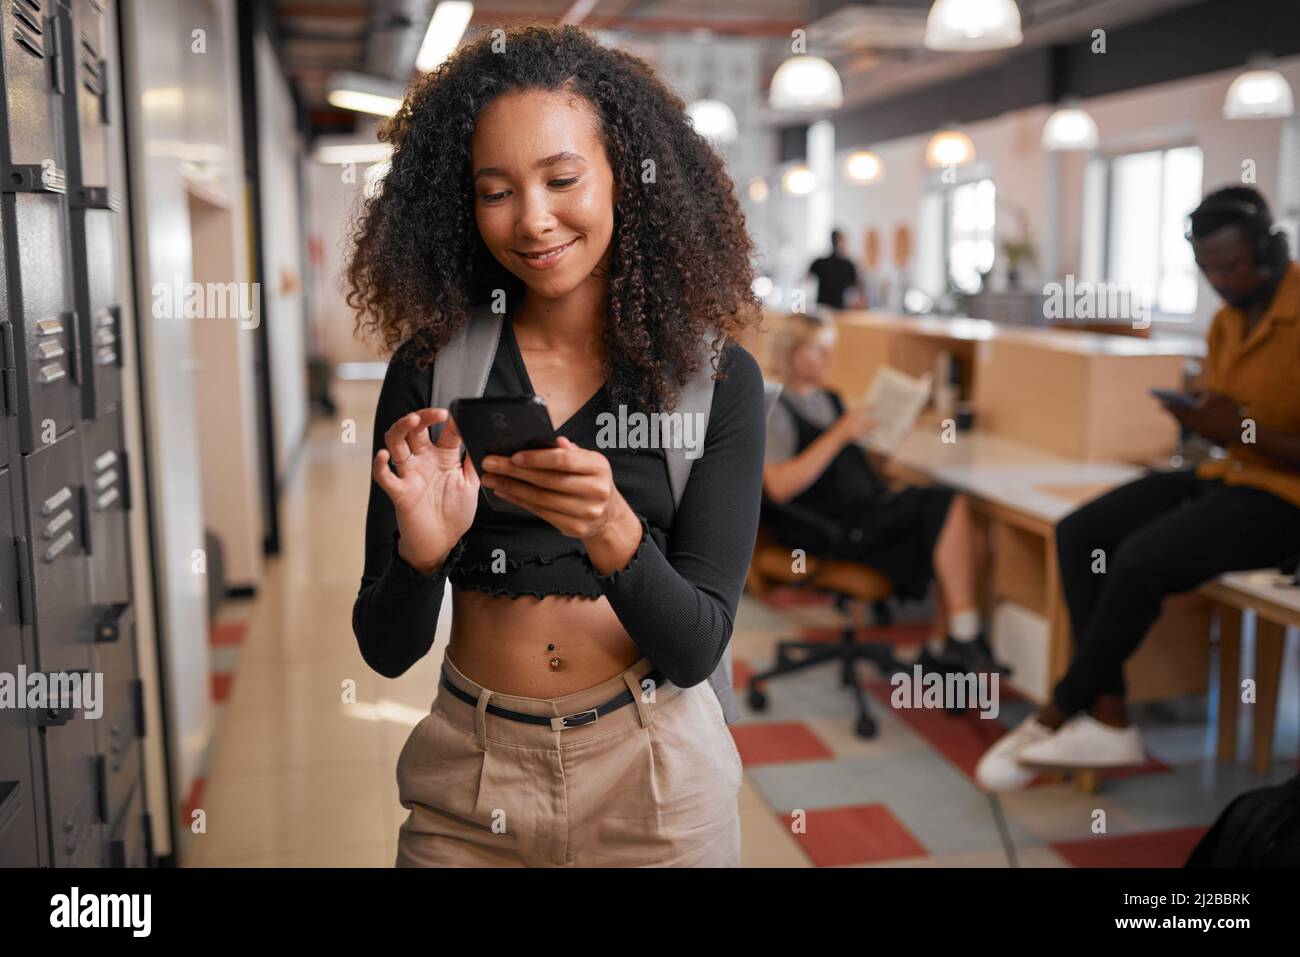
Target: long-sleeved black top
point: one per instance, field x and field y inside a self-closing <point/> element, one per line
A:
<point x="676" y="596"/>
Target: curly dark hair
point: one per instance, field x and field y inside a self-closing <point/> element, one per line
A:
<point x="680" y="260"/>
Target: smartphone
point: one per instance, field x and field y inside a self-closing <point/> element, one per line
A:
<point x="502" y="425"/>
<point x="1176" y="400"/>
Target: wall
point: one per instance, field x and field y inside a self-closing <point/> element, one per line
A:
<point x="279" y="150"/>
<point x="1186" y="111"/>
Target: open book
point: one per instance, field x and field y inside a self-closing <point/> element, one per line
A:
<point x="895" y="399"/>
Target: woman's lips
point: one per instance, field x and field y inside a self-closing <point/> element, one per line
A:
<point x="548" y="258"/>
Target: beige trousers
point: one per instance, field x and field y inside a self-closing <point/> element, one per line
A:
<point x="654" y="783"/>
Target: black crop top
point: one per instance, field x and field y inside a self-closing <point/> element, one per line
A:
<point x="508" y="554"/>
<point x="677" y="595"/>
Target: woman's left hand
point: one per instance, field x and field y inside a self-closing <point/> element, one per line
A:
<point x="568" y="486"/>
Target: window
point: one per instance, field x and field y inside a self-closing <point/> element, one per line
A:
<point x="1150" y="195"/>
<point x="970" y="221"/>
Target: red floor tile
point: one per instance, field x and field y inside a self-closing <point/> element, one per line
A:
<point x="227" y="633"/>
<point x="855" y="835"/>
<point x="907" y="633"/>
<point x="221" y="683"/>
<point x="194" y="800"/>
<point x="1156" y="849"/>
<point x="783" y="597"/>
<point x="778" y="742"/>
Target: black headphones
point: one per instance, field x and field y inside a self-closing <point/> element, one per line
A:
<point x="1272" y="251"/>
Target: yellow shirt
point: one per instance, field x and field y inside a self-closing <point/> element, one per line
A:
<point x="1261" y="374"/>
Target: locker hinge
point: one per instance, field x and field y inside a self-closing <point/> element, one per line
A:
<point x="125" y="458"/>
<point x="101" y="786"/>
<point x="8" y="368"/>
<point x="83" y="493"/>
<point x="26" y="591"/>
<point x="33" y="178"/>
<point x="95" y="197"/>
<point x="71" y="318"/>
<point x="54" y="29"/>
<point x="137" y="699"/>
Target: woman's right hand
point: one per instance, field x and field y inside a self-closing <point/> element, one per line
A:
<point x="434" y="493"/>
<point x="854" y="423"/>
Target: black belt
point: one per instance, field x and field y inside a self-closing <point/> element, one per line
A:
<point x="566" y="721"/>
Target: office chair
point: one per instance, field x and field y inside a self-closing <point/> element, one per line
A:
<point x="848" y="582"/>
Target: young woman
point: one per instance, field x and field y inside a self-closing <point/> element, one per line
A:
<point x="562" y="178"/>
<point x="912" y="535"/>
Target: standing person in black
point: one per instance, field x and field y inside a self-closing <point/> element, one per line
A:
<point x="913" y="535"/>
<point x="836" y="274"/>
<point x="573" y="725"/>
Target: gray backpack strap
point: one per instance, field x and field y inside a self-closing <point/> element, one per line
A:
<point x="462" y="366"/>
<point x="696" y="398"/>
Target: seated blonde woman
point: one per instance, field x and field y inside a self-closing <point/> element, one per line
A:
<point x="911" y="534"/>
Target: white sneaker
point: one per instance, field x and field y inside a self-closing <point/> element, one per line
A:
<point x="1084" y="742"/>
<point x="999" y="769"/>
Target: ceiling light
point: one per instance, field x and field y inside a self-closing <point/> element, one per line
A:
<point x="949" y="148"/>
<point x="1258" y="94"/>
<point x="446" y="27"/>
<point x="864" y="167"/>
<point x="346" y="153"/>
<point x="1070" y="128"/>
<point x="806" y="83"/>
<point x="365" y="94"/>
<point x="758" y="189"/>
<point x="713" y="120"/>
<point x="799" y="181"/>
<point x="973" y="25"/>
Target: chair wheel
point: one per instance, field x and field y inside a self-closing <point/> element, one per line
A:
<point x="866" y="727"/>
<point x="757" y="700"/>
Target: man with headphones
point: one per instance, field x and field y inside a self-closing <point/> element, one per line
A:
<point x="1122" y="554"/>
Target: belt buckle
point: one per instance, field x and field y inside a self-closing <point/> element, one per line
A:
<point x="575" y="720"/>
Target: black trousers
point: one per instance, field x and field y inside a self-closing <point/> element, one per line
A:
<point x="1165" y="533"/>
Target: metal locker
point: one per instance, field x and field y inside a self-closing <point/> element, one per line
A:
<point x="129" y="844"/>
<point x="86" y="89"/>
<point x="55" y="589"/>
<point x="42" y="339"/>
<point x="33" y="80"/>
<point x="107" y="503"/>
<point x="91" y="206"/>
<point x="41" y="342"/>
<point x="21" y="792"/>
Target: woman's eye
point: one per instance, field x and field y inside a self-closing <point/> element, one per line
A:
<point x="564" y="182"/>
<point x="492" y="197"/>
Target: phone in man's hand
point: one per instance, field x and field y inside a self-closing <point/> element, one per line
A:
<point x="1176" y="400"/>
<point x="502" y="425"/>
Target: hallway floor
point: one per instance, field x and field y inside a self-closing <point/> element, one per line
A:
<point x="301" y="771"/>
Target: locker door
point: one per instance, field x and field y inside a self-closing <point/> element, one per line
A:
<point x="42" y="342"/>
<point x="55" y="578"/>
<point x="32" y="187"/>
<point x="32" y="68"/>
<point x="107" y="503"/>
<point x="19" y="791"/>
<point x="92" y="205"/>
<point x="85" y="27"/>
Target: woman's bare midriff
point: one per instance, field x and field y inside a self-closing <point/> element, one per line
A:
<point x="537" y="647"/>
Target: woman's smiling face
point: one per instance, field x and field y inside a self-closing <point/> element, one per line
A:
<point x="543" y="189"/>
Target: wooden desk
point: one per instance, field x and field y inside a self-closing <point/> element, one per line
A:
<point x="1276" y="608"/>
<point x="1021" y="492"/>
